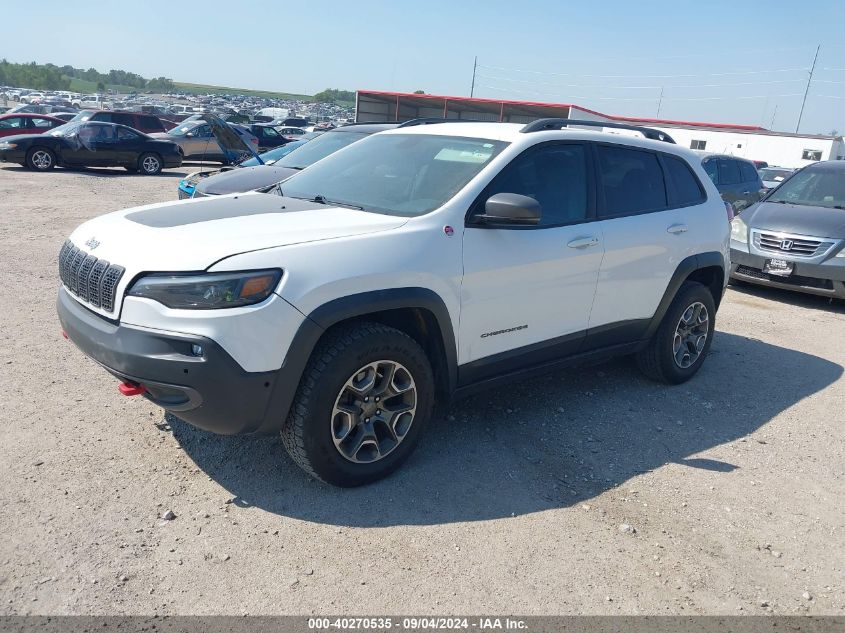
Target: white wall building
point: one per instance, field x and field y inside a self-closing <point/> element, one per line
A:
<point x="782" y="149"/>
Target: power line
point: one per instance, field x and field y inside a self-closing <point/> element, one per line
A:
<point x="726" y="74"/>
<point x="655" y="87"/>
<point x="585" y="98"/>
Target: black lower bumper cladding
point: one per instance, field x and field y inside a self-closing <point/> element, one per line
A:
<point x="192" y="376"/>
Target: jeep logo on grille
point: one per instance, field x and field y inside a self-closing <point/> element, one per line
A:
<point x="786" y="245"/>
<point x="92" y="243"/>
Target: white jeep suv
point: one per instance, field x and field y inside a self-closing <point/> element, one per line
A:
<point x="418" y="264"/>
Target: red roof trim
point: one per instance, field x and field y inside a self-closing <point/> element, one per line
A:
<point x="478" y="99"/>
<point x="722" y="126"/>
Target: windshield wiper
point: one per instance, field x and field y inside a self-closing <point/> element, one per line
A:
<point x="321" y="199"/>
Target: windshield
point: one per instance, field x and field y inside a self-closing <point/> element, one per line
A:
<point x="767" y="173"/>
<point x="274" y="155"/>
<point x="84" y="115"/>
<point x="181" y="130"/>
<point x="65" y="130"/>
<point x="813" y="187"/>
<point x="396" y="174"/>
<point x="319" y="148"/>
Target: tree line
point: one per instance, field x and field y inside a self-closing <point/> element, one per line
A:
<point x="52" y="77"/>
<point x="331" y="95"/>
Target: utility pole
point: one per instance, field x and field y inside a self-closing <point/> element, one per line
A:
<point x="474" y="66"/>
<point x="772" y="124"/>
<point x="807" y="89"/>
<point x="660" y="102"/>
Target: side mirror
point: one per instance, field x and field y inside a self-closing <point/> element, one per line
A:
<point x="510" y="209"/>
<point x="190" y="134"/>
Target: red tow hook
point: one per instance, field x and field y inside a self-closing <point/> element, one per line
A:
<point x="129" y="389"/>
<point x="65" y="336"/>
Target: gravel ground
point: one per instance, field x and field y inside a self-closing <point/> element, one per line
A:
<point x="591" y="491"/>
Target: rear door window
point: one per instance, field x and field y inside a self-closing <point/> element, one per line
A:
<point x="729" y="172"/>
<point x="631" y="181"/>
<point x="42" y="123"/>
<point x="123" y="119"/>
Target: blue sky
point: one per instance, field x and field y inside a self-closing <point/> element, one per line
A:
<point x="737" y="61"/>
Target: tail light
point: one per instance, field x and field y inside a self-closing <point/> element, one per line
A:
<point x="730" y="211"/>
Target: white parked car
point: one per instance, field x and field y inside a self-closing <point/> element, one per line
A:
<point x="32" y="97"/>
<point x="92" y="102"/>
<point x="418" y="264"/>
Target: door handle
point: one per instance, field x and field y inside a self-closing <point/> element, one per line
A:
<point x="746" y="193"/>
<point x="677" y="229"/>
<point x="583" y="242"/>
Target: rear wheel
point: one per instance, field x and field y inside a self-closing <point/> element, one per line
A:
<point x="40" y="159"/>
<point x="362" y="403"/>
<point x="149" y="164"/>
<point x="678" y="348"/>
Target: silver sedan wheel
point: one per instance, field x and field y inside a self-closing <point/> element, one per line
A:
<point x="150" y="164"/>
<point x="691" y="335"/>
<point x="42" y="159"/>
<point x="374" y="411"/>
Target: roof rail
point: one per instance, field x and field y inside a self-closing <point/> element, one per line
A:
<point x="556" y="124"/>
<point x="432" y="120"/>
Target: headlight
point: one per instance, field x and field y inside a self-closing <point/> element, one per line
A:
<point x="209" y="291"/>
<point x="739" y="230"/>
<point x="8" y="145"/>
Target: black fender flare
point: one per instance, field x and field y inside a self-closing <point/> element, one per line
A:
<point x="685" y="268"/>
<point x="342" y="309"/>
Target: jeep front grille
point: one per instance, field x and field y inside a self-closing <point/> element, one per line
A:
<point x="799" y="246"/>
<point x="92" y="280"/>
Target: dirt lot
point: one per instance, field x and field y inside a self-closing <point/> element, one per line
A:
<point x="584" y="492"/>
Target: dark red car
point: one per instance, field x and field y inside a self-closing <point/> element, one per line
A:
<point x="27" y="123"/>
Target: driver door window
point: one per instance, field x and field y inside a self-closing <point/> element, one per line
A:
<point x="555" y="176"/>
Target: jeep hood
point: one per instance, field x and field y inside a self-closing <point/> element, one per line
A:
<point x="796" y="218"/>
<point x="191" y="235"/>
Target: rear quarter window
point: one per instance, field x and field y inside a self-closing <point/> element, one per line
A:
<point x="151" y="123"/>
<point x="684" y="187"/>
<point x="749" y="174"/>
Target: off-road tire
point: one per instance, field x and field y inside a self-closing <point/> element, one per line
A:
<point x="307" y="433"/>
<point x="657" y="360"/>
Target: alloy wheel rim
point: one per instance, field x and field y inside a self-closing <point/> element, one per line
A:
<point x="691" y="335"/>
<point x="150" y="164"/>
<point x="41" y="159"/>
<point x="374" y="411"/>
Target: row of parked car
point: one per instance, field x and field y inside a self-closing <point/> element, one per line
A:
<point x="100" y="138"/>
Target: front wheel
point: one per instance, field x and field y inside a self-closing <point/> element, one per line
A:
<point x="678" y="348"/>
<point x="149" y="164"/>
<point x="40" y="159"/>
<point x="364" y="398"/>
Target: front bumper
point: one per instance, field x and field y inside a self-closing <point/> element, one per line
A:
<point x="210" y="391"/>
<point x="12" y="156"/>
<point x="825" y="280"/>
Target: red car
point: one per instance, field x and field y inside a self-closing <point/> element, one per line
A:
<point x="27" y="123"/>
